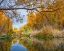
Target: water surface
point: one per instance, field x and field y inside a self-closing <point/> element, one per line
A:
<point x="32" y="44"/>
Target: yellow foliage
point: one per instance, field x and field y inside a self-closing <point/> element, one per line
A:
<point x="5" y="23"/>
<point x="15" y="30"/>
<point x="31" y="18"/>
<point x="15" y="40"/>
<point x="21" y="28"/>
<point x="47" y="30"/>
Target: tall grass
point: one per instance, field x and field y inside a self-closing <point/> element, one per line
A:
<point x="49" y="32"/>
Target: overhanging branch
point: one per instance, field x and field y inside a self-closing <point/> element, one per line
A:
<point x="1" y="2"/>
<point x="48" y="10"/>
<point x="25" y="9"/>
<point x="16" y="8"/>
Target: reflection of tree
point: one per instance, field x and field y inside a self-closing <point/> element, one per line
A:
<point x="5" y="45"/>
<point x="15" y="40"/>
<point x="45" y="45"/>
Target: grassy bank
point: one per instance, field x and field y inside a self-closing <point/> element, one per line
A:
<point x="46" y="36"/>
<point x="48" y="32"/>
<point x="43" y="36"/>
<point x="5" y="36"/>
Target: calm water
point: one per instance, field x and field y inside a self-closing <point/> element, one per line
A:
<point x="32" y="44"/>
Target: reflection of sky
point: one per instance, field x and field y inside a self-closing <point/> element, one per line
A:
<point x="18" y="24"/>
<point x="17" y="47"/>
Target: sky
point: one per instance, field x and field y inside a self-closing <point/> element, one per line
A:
<point x="21" y="11"/>
<point x="18" y="24"/>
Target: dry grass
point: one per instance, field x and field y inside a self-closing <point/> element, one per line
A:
<point x="62" y="33"/>
<point x="54" y="32"/>
<point x="47" y="30"/>
<point x="34" y="33"/>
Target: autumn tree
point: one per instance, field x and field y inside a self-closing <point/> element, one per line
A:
<point x="26" y="28"/>
<point x="15" y="30"/>
<point x="31" y="20"/>
<point x="52" y="16"/>
<point x="59" y="12"/>
<point x="11" y="6"/>
<point x="50" y="11"/>
<point x="5" y="23"/>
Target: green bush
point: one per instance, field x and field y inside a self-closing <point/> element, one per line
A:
<point x="6" y="36"/>
<point x="1" y="35"/>
<point x="43" y="36"/>
<point x="26" y="35"/>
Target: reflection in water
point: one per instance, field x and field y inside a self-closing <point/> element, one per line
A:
<point x="32" y="44"/>
<point x="5" y="45"/>
<point x="17" y="47"/>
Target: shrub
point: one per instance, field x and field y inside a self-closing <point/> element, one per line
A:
<point x="47" y="30"/>
<point x="56" y="33"/>
<point x="43" y="36"/>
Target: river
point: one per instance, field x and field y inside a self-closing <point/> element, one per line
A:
<point x="32" y="44"/>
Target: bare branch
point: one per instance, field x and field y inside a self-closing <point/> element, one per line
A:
<point x="16" y="8"/>
<point x="26" y="9"/>
<point x="1" y="2"/>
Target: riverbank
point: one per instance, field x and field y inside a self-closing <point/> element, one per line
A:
<point x="44" y="36"/>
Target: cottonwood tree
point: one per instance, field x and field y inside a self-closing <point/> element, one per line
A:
<point x="13" y="5"/>
<point x="5" y="23"/>
<point x="10" y="7"/>
<point x="45" y="16"/>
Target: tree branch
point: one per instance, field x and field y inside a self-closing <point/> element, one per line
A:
<point x="16" y="8"/>
<point x="1" y="2"/>
<point x="48" y="9"/>
<point x="25" y="9"/>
